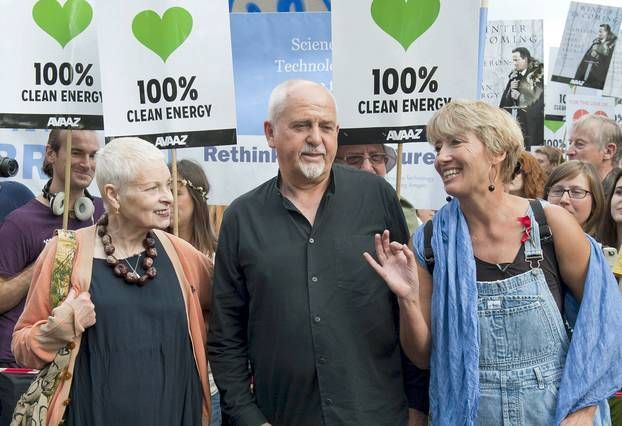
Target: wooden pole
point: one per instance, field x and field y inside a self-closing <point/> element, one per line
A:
<point x="174" y="179"/>
<point x="67" y="180"/>
<point x="398" y="179"/>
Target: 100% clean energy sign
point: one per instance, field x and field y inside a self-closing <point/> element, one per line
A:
<point x="50" y="71"/>
<point x="167" y="72"/>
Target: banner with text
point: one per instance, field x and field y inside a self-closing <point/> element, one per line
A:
<point x="587" y="45"/>
<point x="291" y="38"/>
<point x="50" y="74"/>
<point x="579" y="105"/>
<point x="514" y="74"/>
<point x="395" y="63"/>
<point x="167" y="72"/>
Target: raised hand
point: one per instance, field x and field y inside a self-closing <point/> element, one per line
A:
<point x="396" y="265"/>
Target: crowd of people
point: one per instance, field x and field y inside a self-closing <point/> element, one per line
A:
<point x="323" y="298"/>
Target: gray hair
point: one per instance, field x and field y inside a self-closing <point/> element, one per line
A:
<point x="121" y="159"/>
<point x="279" y="95"/>
<point x="603" y="130"/>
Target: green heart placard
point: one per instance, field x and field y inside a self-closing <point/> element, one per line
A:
<point x="62" y="23"/>
<point x="405" y="20"/>
<point x="553" y="125"/>
<point x="162" y="35"/>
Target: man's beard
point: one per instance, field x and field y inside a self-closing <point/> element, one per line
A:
<point x="311" y="171"/>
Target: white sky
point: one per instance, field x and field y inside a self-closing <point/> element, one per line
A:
<point x="553" y="12"/>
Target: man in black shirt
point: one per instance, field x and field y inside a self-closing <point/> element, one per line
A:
<point x="293" y="296"/>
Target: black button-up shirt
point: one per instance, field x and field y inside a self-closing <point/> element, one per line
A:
<point x="299" y="304"/>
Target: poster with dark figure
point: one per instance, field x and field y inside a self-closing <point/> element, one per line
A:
<point x="523" y="96"/>
<point x="593" y="67"/>
<point x="588" y="45"/>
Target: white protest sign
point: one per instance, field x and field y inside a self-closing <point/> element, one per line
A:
<point x="50" y="74"/>
<point x="554" y="133"/>
<point x="579" y="105"/>
<point x="587" y="45"/>
<point x="167" y="71"/>
<point x="502" y="37"/>
<point x="514" y="73"/>
<point x="395" y="63"/>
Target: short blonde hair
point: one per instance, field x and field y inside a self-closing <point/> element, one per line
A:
<point x="494" y="127"/>
<point x="120" y="161"/>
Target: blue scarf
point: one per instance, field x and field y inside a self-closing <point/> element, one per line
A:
<point x="593" y="369"/>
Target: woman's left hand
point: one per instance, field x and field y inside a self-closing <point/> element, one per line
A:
<point x="582" y="417"/>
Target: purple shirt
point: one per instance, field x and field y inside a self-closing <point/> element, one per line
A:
<point x="23" y="235"/>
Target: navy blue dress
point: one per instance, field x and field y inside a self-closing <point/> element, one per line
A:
<point x="136" y="365"/>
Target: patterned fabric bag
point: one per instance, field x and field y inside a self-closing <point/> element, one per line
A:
<point x="32" y="407"/>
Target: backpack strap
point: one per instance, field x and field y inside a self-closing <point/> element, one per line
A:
<point x="428" y="253"/>
<point x="538" y="213"/>
<point x="428" y="230"/>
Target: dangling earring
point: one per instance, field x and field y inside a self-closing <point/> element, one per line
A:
<point x="491" y="187"/>
<point x="116" y="210"/>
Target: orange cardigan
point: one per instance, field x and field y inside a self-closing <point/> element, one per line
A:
<point x="40" y="331"/>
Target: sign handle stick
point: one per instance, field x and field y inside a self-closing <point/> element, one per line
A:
<point x="174" y="179"/>
<point x="67" y="180"/>
<point x="398" y="179"/>
<point x="574" y="92"/>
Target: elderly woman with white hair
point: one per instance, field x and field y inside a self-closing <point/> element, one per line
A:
<point x="142" y="360"/>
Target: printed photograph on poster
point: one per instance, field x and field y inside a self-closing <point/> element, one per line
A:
<point x="50" y="70"/>
<point x="514" y="73"/>
<point x="588" y="45"/>
<point x="613" y="83"/>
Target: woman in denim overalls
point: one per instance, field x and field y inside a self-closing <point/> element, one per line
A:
<point x="487" y="321"/>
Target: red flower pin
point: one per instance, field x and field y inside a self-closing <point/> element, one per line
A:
<point x="526" y="222"/>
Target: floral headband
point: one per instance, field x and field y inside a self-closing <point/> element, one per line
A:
<point x="202" y="192"/>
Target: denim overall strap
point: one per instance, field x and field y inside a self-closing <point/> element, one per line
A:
<point x="533" y="248"/>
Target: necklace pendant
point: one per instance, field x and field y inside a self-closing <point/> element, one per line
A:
<point x="132" y="277"/>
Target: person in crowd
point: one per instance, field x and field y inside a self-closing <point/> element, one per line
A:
<point x="610" y="232"/>
<point x="134" y="325"/>
<point x="528" y="181"/>
<point x="610" y="235"/>
<point x="293" y="297"/>
<point x="195" y="227"/>
<point x="576" y="187"/>
<point x="549" y="157"/>
<point x="194" y="214"/>
<point x="592" y="70"/>
<point x="597" y="140"/>
<point x="523" y="96"/>
<point x="26" y="230"/>
<point x="13" y="195"/>
<point x="491" y="331"/>
<point x="379" y="159"/>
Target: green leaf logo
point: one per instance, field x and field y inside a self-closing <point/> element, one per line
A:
<point x="65" y="22"/>
<point x="162" y="35"/>
<point x="405" y="20"/>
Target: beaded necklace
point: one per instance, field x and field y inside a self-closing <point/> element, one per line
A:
<point x="120" y="269"/>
